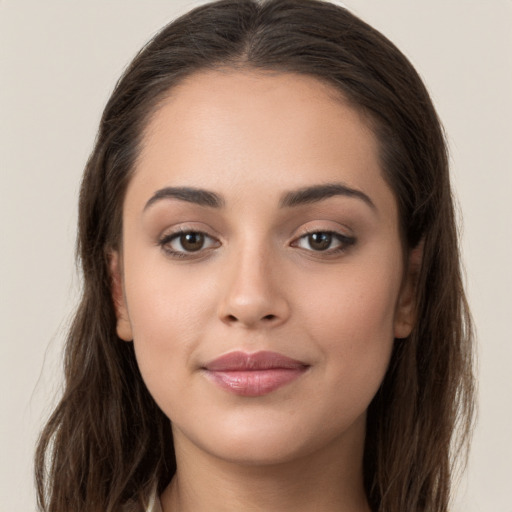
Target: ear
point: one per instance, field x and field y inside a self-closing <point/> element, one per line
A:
<point x="405" y="314"/>
<point x="123" y="325"/>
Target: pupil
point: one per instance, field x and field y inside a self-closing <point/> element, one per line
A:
<point x="192" y="241"/>
<point x="320" y="241"/>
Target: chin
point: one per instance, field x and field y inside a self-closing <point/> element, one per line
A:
<point x="270" y="441"/>
<point x="262" y="449"/>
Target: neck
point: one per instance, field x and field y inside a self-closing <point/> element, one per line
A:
<point x="328" y="480"/>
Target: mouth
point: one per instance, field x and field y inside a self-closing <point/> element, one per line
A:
<point x="254" y="374"/>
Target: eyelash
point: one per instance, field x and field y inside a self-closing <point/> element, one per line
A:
<point x="344" y="242"/>
<point x="166" y="240"/>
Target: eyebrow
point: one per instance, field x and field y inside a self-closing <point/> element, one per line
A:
<point x="306" y="195"/>
<point x="189" y="194"/>
<point x="318" y="193"/>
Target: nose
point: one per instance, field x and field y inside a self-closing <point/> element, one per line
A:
<point x="253" y="291"/>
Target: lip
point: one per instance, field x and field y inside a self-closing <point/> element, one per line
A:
<point x="255" y="374"/>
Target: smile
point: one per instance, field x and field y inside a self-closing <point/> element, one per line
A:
<point x="254" y="374"/>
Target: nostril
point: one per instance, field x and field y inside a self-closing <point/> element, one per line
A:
<point x="234" y="319"/>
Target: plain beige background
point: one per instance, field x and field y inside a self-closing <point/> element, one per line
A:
<point x="59" y="61"/>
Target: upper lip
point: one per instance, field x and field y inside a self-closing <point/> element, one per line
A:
<point x="243" y="361"/>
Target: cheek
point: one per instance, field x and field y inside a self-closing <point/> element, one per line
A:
<point x="357" y="307"/>
<point x="165" y="300"/>
<point x="350" y="317"/>
<point x="169" y="313"/>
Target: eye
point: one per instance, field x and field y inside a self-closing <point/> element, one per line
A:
<point x="324" y="241"/>
<point x="187" y="242"/>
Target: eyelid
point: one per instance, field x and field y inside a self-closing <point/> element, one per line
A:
<point x="170" y="235"/>
<point x="344" y="240"/>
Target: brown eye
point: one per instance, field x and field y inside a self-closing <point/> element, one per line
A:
<point x="192" y="241"/>
<point x="329" y="242"/>
<point x="187" y="242"/>
<point x="320" y="241"/>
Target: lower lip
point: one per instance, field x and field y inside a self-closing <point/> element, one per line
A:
<point x="255" y="382"/>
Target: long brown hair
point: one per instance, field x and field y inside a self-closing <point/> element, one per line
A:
<point x="107" y="442"/>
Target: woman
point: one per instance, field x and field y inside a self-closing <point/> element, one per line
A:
<point x="272" y="315"/>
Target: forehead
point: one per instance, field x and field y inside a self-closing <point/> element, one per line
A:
<point x="251" y="129"/>
<point x="254" y="107"/>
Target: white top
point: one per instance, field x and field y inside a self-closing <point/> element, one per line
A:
<point x="154" y="503"/>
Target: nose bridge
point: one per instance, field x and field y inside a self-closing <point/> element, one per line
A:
<point x="253" y="294"/>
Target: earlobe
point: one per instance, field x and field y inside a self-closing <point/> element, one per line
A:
<point x="123" y="325"/>
<point x="405" y="314"/>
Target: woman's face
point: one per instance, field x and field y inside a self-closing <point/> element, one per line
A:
<point x="262" y="275"/>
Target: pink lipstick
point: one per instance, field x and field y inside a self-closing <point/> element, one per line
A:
<point x="254" y="374"/>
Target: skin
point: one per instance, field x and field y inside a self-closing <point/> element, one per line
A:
<point x="259" y="283"/>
